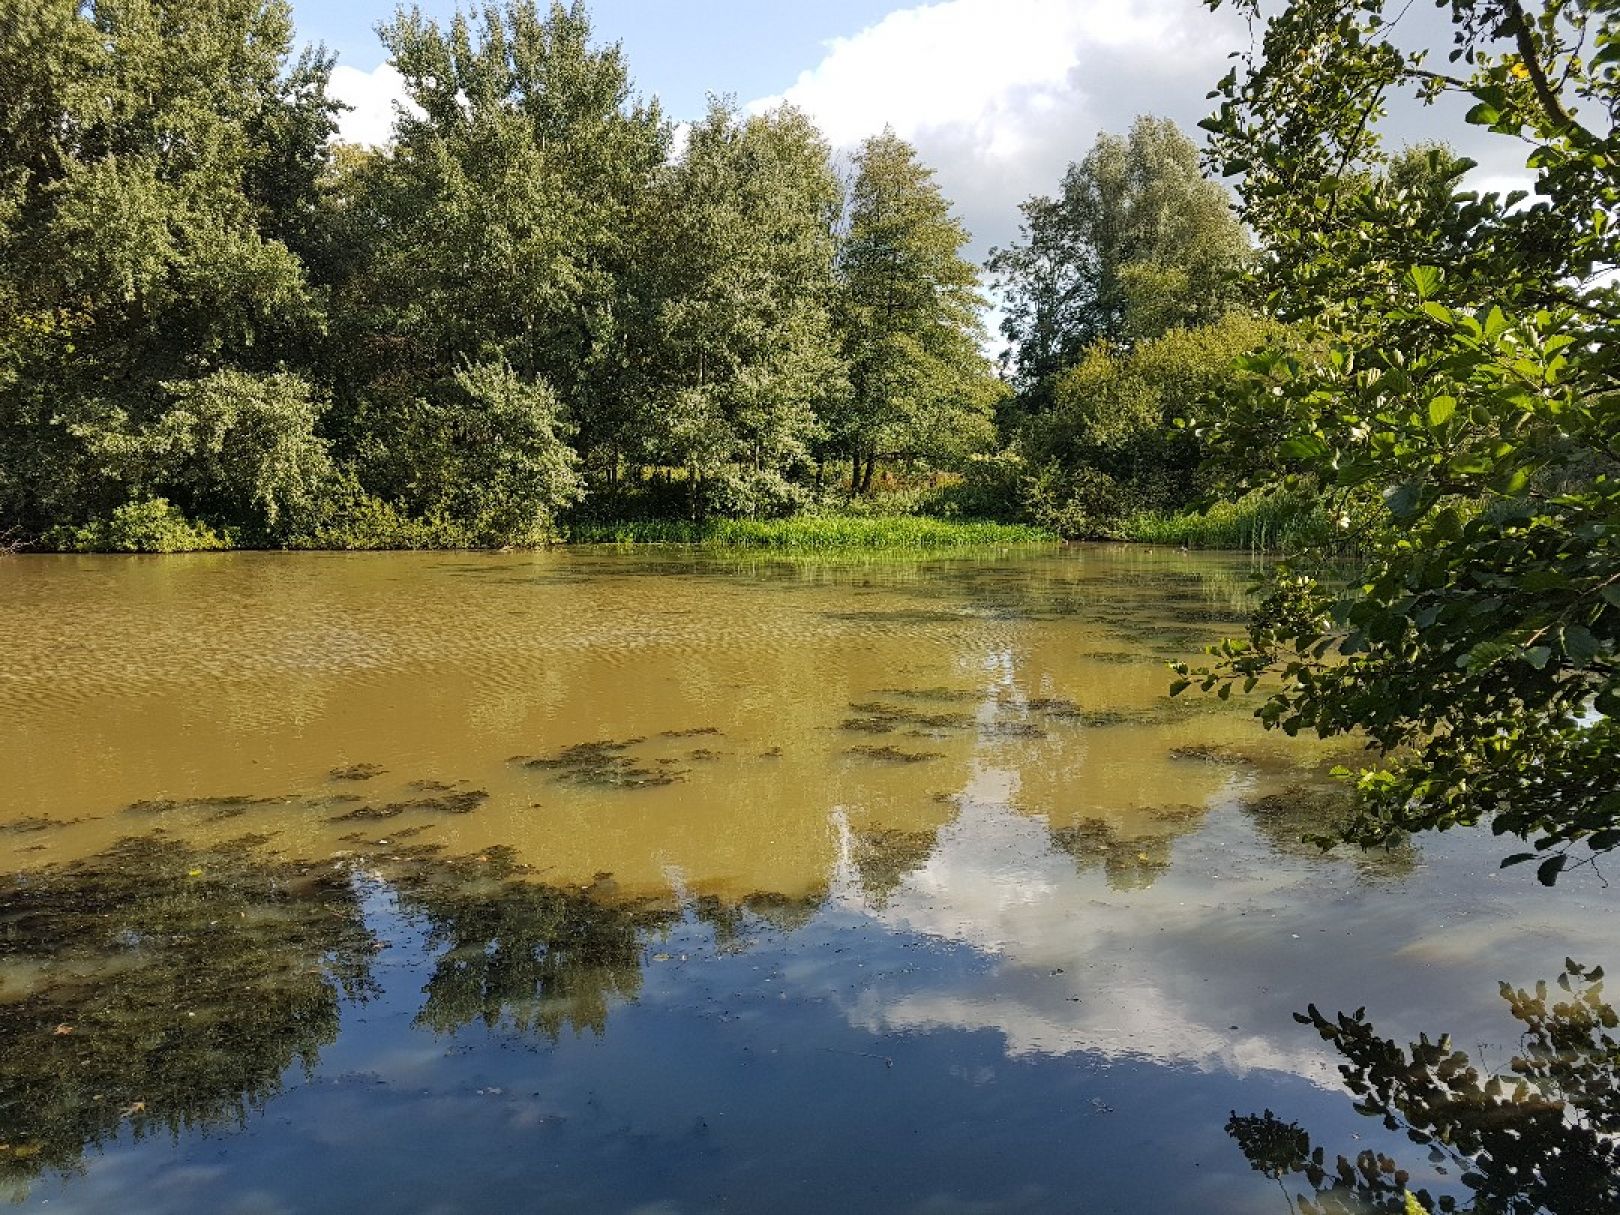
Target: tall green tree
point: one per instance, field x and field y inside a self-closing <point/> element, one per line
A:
<point x="909" y="318"/>
<point x="1462" y="373"/>
<point x="499" y="232"/>
<point x="747" y="357"/>
<point x="1137" y="242"/>
<point x="155" y="159"/>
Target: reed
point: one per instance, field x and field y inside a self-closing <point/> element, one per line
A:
<point x="814" y="533"/>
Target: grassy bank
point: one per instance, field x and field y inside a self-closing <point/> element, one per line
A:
<point x="1264" y="524"/>
<point x="813" y="533"/>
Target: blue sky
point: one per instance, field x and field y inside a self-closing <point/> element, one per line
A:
<point x="680" y="49"/>
<point x="999" y="96"/>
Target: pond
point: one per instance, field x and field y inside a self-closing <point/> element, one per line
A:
<point x="661" y="881"/>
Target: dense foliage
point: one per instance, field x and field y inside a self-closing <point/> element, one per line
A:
<point x="1459" y="377"/>
<point x="218" y="327"/>
<point x="1123" y="308"/>
<point x="1136" y="242"/>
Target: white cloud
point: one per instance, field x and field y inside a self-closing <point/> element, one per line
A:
<point x="1068" y="977"/>
<point x="1000" y="95"/>
<point x="373" y="95"/>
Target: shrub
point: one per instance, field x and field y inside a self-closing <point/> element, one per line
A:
<point x="148" y="525"/>
<point x="368" y="523"/>
<point x="987" y="487"/>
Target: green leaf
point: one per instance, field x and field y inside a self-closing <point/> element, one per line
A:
<point x="1441" y="410"/>
<point x="1537" y="656"/>
<point x="1404" y="501"/>
<point x="1579" y="643"/>
<point x="1424" y="280"/>
<point x="1303" y="447"/>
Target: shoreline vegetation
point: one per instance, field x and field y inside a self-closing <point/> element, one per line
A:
<point x="533" y="313"/>
<point x="1259" y="524"/>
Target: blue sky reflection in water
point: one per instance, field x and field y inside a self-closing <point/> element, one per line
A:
<point x="999" y="1005"/>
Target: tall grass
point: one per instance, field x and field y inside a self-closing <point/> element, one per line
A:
<point x="1261" y="523"/>
<point x="813" y="533"/>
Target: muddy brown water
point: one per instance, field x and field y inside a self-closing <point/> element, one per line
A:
<point x="610" y="880"/>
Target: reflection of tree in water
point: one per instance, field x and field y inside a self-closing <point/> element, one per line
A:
<point x="1540" y="1137"/>
<point x="1130" y="862"/>
<point x="536" y="957"/>
<point x="736" y="924"/>
<point x="885" y="856"/>
<point x="1301" y="821"/>
<point x="163" y="986"/>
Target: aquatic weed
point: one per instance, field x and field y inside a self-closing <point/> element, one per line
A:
<point x="893" y="755"/>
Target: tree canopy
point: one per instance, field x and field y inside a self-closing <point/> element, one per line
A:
<point x="1458" y="398"/>
<point x="1137" y="242"/>
<point x="909" y="316"/>
<point x="218" y="327"/>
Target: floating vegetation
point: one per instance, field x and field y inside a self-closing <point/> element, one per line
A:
<point x="878" y="717"/>
<point x="884" y="856"/>
<point x="605" y="765"/>
<point x="1211" y="753"/>
<point x="462" y="801"/>
<point x="1013" y="729"/>
<point x="893" y="755"/>
<point x="702" y="755"/>
<point x="941" y="695"/>
<point x="34" y="823"/>
<point x="357" y="772"/>
<point x="1061" y="709"/>
<point x="696" y="732"/>
<point x="404" y="833"/>
<point x="771" y="753"/>
<point x="432" y="786"/>
<point x="1128" y="862"/>
<point x="895" y="616"/>
<point x="214" y="809"/>
<point x="171" y="988"/>
<point x="1122" y="658"/>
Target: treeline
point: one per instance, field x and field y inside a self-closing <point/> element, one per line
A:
<point x="220" y="327"/>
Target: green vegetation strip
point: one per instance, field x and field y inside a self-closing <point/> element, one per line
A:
<point x="1256" y="523"/>
<point x="812" y="533"/>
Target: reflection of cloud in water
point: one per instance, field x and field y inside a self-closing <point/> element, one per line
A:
<point x="1066" y="979"/>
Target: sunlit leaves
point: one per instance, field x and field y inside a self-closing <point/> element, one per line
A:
<point x="1466" y="381"/>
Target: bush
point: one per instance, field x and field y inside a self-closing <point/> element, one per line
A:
<point x="750" y="494"/>
<point x="987" y="487"/>
<point x="1080" y="502"/>
<point x="1258" y="522"/>
<point x="369" y="523"/>
<point x="149" y="525"/>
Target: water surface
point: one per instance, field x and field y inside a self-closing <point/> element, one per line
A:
<point x="610" y="881"/>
